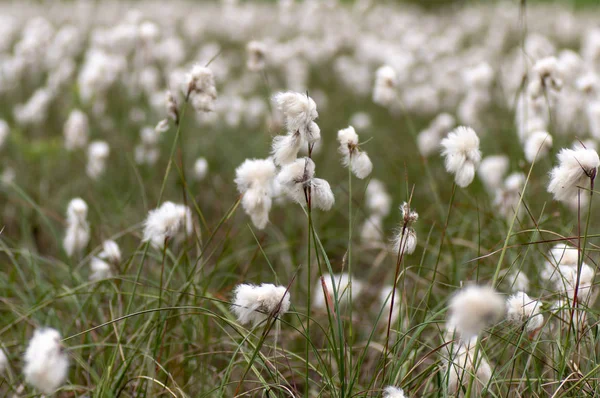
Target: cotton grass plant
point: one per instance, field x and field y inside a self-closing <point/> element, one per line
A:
<point x="298" y="200"/>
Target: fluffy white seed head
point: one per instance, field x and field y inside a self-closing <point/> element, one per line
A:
<point x="98" y="152"/>
<point x="336" y="285"/>
<point x="254" y="304"/>
<point x="537" y="146"/>
<point x="3" y="361"/>
<point x="76" y="130"/>
<point x="295" y="177"/>
<point x="200" y="169"/>
<point x="100" y="269"/>
<point x="77" y="235"/>
<point x="4" y="131"/>
<point x="321" y="194"/>
<point x="378" y="201"/>
<point x="492" y="171"/>
<point x="575" y="169"/>
<point x="521" y="308"/>
<point x="169" y="221"/>
<point x="201" y="88"/>
<point x="110" y="252"/>
<point x="393" y="392"/>
<point x="46" y="363"/>
<point x="162" y="126"/>
<point x="472" y="309"/>
<point x="257" y="55"/>
<point x="371" y="232"/>
<point x="254" y="179"/>
<point x="462" y="371"/>
<point x="298" y="110"/>
<point x="285" y="148"/>
<point x="384" y="90"/>
<point x="461" y="154"/>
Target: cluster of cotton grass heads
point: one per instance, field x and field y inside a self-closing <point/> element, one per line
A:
<point x="170" y="281"/>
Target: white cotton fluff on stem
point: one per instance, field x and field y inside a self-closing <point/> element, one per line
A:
<point x="285" y="148"/>
<point x="254" y="180"/>
<point x="336" y="285"/>
<point x="520" y="308"/>
<point x="100" y="269"/>
<point x="98" y="152"/>
<point x="371" y="233"/>
<point x="200" y="169"/>
<point x="256" y="56"/>
<point x="576" y="167"/>
<point x="361" y="165"/>
<point x="46" y="363"/>
<point x="3" y="361"/>
<point x="492" y="171"/>
<point x="297" y="177"/>
<point x="254" y="304"/>
<point x="384" y="90"/>
<point x="385" y="302"/>
<point x="4" y="131"/>
<point x="509" y="194"/>
<point x="393" y="392"/>
<point x="76" y="130"/>
<point x="169" y="221"/>
<point x="358" y="161"/>
<point x="537" y="146"/>
<point x="77" y="235"/>
<point x="201" y="89"/>
<point x="321" y="194"/>
<point x="461" y="154"/>
<point x="110" y="252"/>
<point x="472" y="309"/>
<point x="405" y="237"/>
<point x="377" y="199"/>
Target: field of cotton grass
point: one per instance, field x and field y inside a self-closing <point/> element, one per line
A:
<point x="298" y="199"/>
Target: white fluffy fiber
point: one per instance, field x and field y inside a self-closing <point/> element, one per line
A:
<point x="46" y="363"/>
<point x="253" y="304"/>
<point x="461" y="154"/>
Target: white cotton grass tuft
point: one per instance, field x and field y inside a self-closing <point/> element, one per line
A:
<point x="254" y="180"/>
<point x="461" y="154"/>
<point x="101" y="265"/>
<point x="537" y="146"/>
<point x="492" y="170"/>
<point x="201" y="89"/>
<point x="100" y="269"/>
<point x="4" y="132"/>
<point x="393" y="392"/>
<point x="110" y="252"/>
<point x="405" y="238"/>
<point x="472" y="309"/>
<point x="256" y="56"/>
<point x="336" y="285"/>
<point x="76" y="130"/>
<point x="385" y="303"/>
<point x="147" y="151"/>
<point x="77" y="235"/>
<point x="299" y="113"/>
<point x="429" y="140"/>
<point x="384" y="90"/>
<point x="509" y="194"/>
<point x="371" y="232"/>
<point x="378" y="200"/>
<point x="46" y="363"/>
<point x="359" y="162"/>
<point x="170" y="221"/>
<point x="3" y="361"/>
<point x="297" y="181"/>
<point x="200" y="169"/>
<point x="576" y="168"/>
<point x="253" y="304"/>
<point x="520" y="308"/>
<point x="98" y="152"/>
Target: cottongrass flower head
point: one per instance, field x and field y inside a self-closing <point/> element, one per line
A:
<point x="254" y="179"/>
<point x="385" y="302"/>
<point x="371" y="233"/>
<point x="98" y="152"/>
<point x="429" y="140"/>
<point x="200" y="169"/>
<point x="520" y="308"/>
<point x="299" y="112"/>
<point x="257" y="56"/>
<point x="172" y="108"/>
<point x="77" y="235"/>
<point x="100" y="269"/>
<point x="110" y="252"/>
<point x="576" y="167"/>
<point x="101" y="265"/>
<point x="462" y="369"/>
<point x="4" y="131"/>
<point x="358" y="161"/>
<point x="393" y="392"/>
<point x="169" y="221"/>
<point x="337" y="285"/>
<point x="509" y="194"/>
<point x="492" y="170"/>
<point x="537" y="145"/>
<point x="461" y="154"/>
<point x="254" y="304"/>
<point x="405" y="238"/>
<point x="46" y="363"/>
<point x="377" y="199"/>
<point x="201" y="90"/>
<point x="76" y="130"/>
<point x="472" y="309"/>
<point x="384" y="90"/>
<point x="299" y="184"/>
<point x="3" y="361"/>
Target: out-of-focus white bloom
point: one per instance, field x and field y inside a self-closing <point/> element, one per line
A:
<point x="4" y="131"/>
<point x="509" y="194"/>
<point x="254" y="304"/>
<point x="337" y="285"/>
<point x="377" y="199"/>
<point x="172" y="109"/>
<point x="405" y="238"/>
<point x="299" y="112"/>
<point x="518" y="281"/>
<point x="110" y="251"/>
<point x="593" y="116"/>
<point x="385" y="301"/>
<point x="254" y="179"/>
<point x="78" y="230"/>
<point x="393" y="392"/>
<point x="169" y="221"/>
<point x="462" y="155"/>
<point x="429" y="140"/>
<point x="361" y="120"/>
<point x="100" y="269"/>
<point x="35" y="110"/>
<point x="162" y="126"/>
<point x="372" y="230"/>
<point x="564" y="279"/>
<point x="480" y="76"/>
<point x="201" y="89"/>
<point x="492" y="171"/>
<point x="98" y="152"/>
<point x="76" y="130"/>
<point x="200" y="169"/>
<point x="8" y="175"/>
<point x="461" y="369"/>
<point x="384" y="90"/>
<point x="521" y="308"/>
<point x="537" y="145"/>
<point x="3" y="361"/>
<point x="46" y="363"/>
<point x="472" y="309"/>
<point x="575" y="169"/>
<point x="352" y="156"/>
<point x="147" y="151"/>
<point x="257" y="55"/>
<point x="547" y="77"/>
